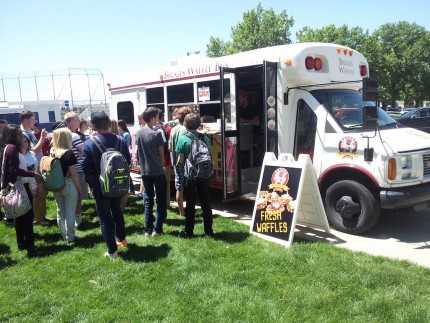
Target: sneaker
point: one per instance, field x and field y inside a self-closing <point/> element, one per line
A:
<point x="122" y="243"/>
<point x="111" y="255"/>
<point x="32" y="251"/>
<point x="74" y="240"/>
<point x="147" y="235"/>
<point x="185" y="234"/>
<point x="157" y="234"/>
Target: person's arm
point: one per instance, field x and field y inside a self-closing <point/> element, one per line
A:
<point x="161" y="154"/>
<point x="39" y="144"/>
<point x="125" y="151"/>
<point x="181" y="159"/>
<point x="88" y="164"/>
<point x="75" y="178"/>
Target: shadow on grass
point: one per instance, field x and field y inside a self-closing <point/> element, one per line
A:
<point x="231" y="237"/>
<point x="6" y="262"/>
<point x="176" y="222"/>
<point x="4" y="249"/>
<point x="145" y="253"/>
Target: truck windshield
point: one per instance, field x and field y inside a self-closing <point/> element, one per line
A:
<point x="346" y="106"/>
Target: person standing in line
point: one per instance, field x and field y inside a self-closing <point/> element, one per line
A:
<point x="142" y="124"/>
<point x="72" y="122"/>
<point x="67" y="198"/>
<point x="115" y="130"/>
<point x="124" y="132"/>
<point x="28" y="161"/>
<point x="196" y="186"/>
<point x="165" y="133"/>
<point x="176" y="132"/>
<point x="108" y="209"/>
<point x="150" y="145"/>
<point x="3" y="124"/>
<point x="27" y="119"/>
<point x="12" y="138"/>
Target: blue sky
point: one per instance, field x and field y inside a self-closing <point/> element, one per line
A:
<point x="129" y="36"/>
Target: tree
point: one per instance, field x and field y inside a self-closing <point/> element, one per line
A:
<point x="354" y="38"/>
<point x="259" y="28"/>
<point x="405" y="69"/>
<point x="398" y="56"/>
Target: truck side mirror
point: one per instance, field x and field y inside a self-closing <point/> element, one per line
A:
<point x="370" y="118"/>
<point x="370" y="89"/>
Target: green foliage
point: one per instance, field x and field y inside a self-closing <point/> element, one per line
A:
<point x="234" y="277"/>
<point x="354" y="38"/>
<point x="397" y="53"/>
<point x="259" y="28"/>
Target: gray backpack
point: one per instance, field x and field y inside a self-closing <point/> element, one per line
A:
<point x="114" y="170"/>
<point x="198" y="164"/>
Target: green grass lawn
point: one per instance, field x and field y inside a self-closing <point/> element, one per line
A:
<point x="234" y="277"/>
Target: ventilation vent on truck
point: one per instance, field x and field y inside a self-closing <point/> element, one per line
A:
<point x="426" y="164"/>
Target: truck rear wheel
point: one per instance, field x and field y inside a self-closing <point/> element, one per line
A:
<point x="351" y="207"/>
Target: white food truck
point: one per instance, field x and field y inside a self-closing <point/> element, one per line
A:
<point x="307" y="98"/>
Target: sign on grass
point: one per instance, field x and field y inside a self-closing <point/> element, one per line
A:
<point x="287" y="193"/>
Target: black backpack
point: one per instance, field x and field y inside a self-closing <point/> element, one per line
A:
<point x="198" y="164"/>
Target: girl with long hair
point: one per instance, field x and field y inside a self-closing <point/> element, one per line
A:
<point x="67" y="198"/>
<point x="124" y="132"/>
<point x="12" y="138"/>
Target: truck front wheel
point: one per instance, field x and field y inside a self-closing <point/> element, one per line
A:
<point x="351" y="207"/>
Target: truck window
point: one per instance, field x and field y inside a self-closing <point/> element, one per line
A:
<point x="306" y="127"/>
<point x="346" y="106"/>
<point x="125" y="111"/>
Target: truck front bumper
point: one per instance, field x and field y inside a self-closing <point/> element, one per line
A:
<point x="411" y="196"/>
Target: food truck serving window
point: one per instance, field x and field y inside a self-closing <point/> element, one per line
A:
<point x="125" y="111"/>
<point x="182" y="93"/>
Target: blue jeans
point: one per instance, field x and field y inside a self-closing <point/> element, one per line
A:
<point x="111" y="219"/>
<point x="66" y="207"/>
<point x="160" y="184"/>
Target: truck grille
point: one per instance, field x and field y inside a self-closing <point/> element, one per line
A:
<point x="426" y="164"/>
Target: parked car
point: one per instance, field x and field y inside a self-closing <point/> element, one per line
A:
<point x="418" y="118"/>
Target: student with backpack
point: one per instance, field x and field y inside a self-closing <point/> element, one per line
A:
<point x="66" y="197"/>
<point x="106" y="155"/>
<point x="193" y="150"/>
<point x="150" y="146"/>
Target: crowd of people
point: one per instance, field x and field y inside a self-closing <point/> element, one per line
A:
<point x="160" y="149"/>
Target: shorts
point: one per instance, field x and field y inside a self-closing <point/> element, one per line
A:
<point x="84" y="186"/>
<point x="179" y="177"/>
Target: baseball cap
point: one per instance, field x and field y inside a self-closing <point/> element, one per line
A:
<point x="57" y="125"/>
<point x="99" y="117"/>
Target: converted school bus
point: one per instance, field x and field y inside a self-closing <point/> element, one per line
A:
<point x="309" y="101"/>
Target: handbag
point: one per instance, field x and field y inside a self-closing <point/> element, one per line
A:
<point x="15" y="200"/>
<point x="14" y="197"/>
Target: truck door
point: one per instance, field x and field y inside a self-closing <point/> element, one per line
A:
<point x="229" y="137"/>
<point x="270" y="100"/>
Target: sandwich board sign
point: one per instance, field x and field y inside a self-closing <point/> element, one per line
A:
<point x="287" y="194"/>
